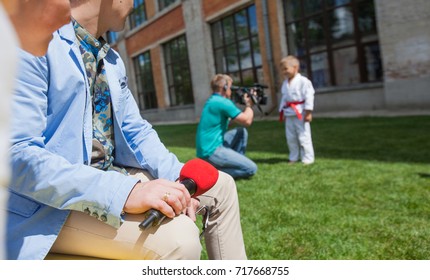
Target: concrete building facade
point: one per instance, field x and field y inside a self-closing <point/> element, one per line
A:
<point x="361" y="55"/>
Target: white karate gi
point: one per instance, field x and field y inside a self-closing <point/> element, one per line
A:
<point x="298" y="96"/>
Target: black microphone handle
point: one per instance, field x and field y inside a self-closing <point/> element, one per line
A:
<point x="155" y="217"/>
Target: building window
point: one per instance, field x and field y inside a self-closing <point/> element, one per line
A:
<point x="178" y="72"/>
<point x="138" y="15"/>
<point x="112" y="37"/>
<point x="236" y="47"/>
<point x="162" y="4"/>
<point x="147" y="98"/>
<point x="336" y="41"/>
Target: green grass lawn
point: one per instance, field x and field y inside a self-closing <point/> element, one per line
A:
<point x="366" y="197"/>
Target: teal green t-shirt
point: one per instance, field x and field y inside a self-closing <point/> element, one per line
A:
<point x="214" y="120"/>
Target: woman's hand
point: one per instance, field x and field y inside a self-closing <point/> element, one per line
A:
<point x="170" y="198"/>
<point x="190" y="211"/>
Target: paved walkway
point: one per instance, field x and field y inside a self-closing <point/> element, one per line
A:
<point x="355" y="114"/>
<point x="372" y="113"/>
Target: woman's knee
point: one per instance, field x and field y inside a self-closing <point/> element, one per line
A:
<point x="223" y="190"/>
<point x="227" y="182"/>
<point x="183" y="241"/>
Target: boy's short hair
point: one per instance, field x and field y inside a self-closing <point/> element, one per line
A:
<point x="219" y="81"/>
<point x="290" y="60"/>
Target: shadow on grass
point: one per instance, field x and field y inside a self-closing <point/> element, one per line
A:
<point x="243" y="179"/>
<point x="424" y="175"/>
<point x="270" y="160"/>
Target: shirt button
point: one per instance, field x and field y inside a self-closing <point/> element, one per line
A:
<point x="103" y="218"/>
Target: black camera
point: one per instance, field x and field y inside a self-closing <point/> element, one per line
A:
<point x="258" y="97"/>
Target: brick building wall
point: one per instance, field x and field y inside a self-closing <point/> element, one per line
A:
<point x="213" y="7"/>
<point x="404" y="30"/>
<point x="403" y="35"/>
<point x="156" y="31"/>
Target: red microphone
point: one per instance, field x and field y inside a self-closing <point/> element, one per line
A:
<point x="198" y="176"/>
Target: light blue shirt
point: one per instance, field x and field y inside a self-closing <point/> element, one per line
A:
<point x="52" y="144"/>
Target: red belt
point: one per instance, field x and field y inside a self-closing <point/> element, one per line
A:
<point x="294" y="106"/>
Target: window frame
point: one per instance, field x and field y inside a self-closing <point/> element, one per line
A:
<point x="225" y="46"/>
<point x="358" y="40"/>
<point x="146" y="92"/>
<point x="138" y="6"/>
<point x="164" y="4"/>
<point x="178" y="72"/>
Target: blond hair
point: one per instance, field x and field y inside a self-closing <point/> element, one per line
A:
<point x="219" y="81"/>
<point x="290" y="60"/>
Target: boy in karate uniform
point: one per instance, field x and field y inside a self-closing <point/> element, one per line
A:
<point x="295" y="108"/>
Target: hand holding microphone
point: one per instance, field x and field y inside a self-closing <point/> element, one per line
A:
<point x="197" y="176"/>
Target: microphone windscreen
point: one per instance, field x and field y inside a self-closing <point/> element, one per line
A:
<point x="201" y="172"/>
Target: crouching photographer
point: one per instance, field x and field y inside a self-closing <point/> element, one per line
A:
<point x="225" y="149"/>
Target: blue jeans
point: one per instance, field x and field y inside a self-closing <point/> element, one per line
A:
<point x="230" y="157"/>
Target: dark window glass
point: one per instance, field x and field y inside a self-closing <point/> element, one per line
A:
<point x="220" y="61"/>
<point x="296" y="39"/>
<point x="316" y="35"/>
<point x="178" y="72"/>
<point x="241" y="24"/>
<point x="336" y="41"/>
<point x="236" y="46"/>
<point x="341" y="23"/>
<point x="228" y="30"/>
<point x="232" y="59"/>
<point x="245" y="54"/>
<point x="256" y="52"/>
<point x="366" y="17"/>
<point x="293" y="9"/>
<point x="252" y="16"/>
<point x="162" y="4"/>
<point x="147" y="98"/>
<point x="217" y="34"/>
<point x="248" y="77"/>
<point x="337" y="2"/>
<point x="373" y="62"/>
<point x="320" y="70"/>
<point x="138" y="15"/>
<point x="346" y="64"/>
<point x="313" y="6"/>
<point x="303" y="65"/>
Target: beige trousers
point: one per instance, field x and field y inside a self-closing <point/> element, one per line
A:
<point x="176" y="238"/>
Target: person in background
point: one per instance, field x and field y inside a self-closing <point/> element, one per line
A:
<point x="295" y="108"/>
<point x="86" y="166"/>
<point x="28" y="24"/>
<point x="225" y="149"/>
